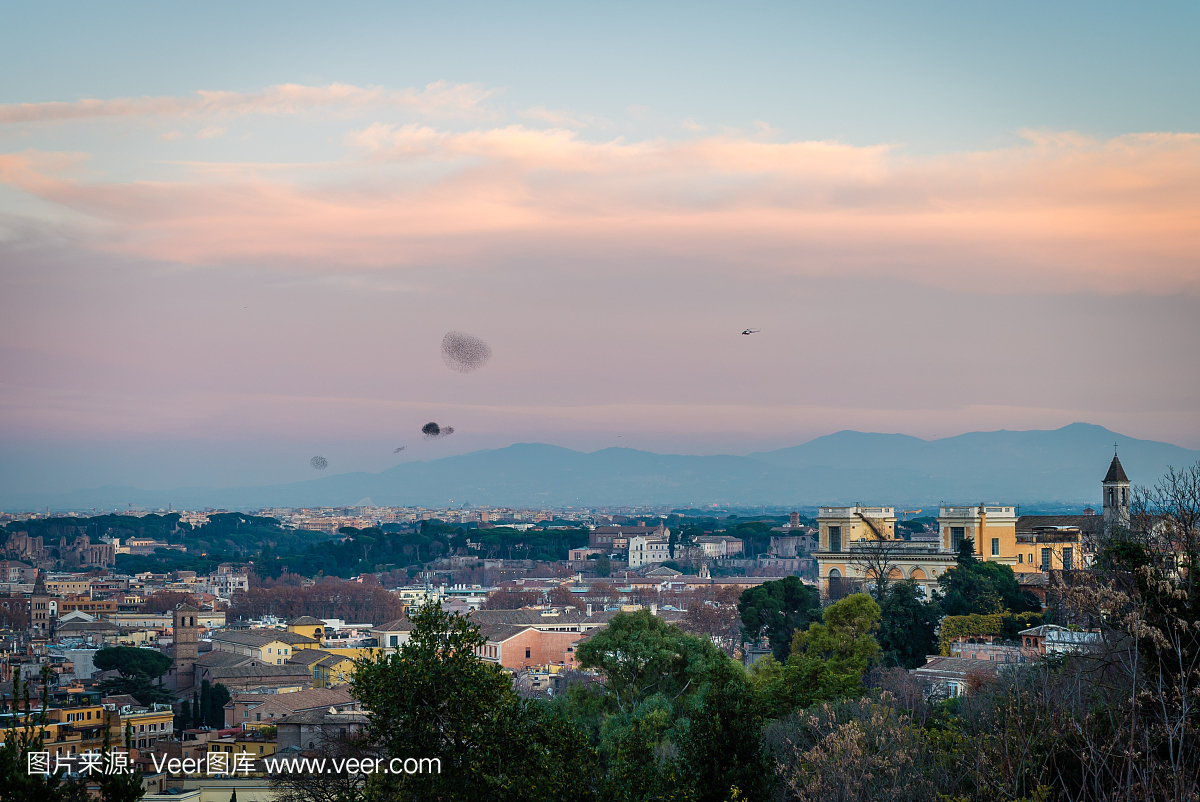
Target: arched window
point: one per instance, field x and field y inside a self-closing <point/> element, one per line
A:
<point x="835" y="573"/>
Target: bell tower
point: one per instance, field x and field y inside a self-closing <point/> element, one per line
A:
<point x="1115" y="489"/>
<point x="187" y="636"/>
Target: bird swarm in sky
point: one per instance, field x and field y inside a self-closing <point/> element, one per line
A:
<point x="464" y="353"/>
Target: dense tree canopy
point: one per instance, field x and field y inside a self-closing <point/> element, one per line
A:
<point x="984" y="587"/>
<point x="676" y="717"/>
<point x="332" y="598"/>
<point x="777" y="609"/>
<point x="907" y="624"/>
<point x="132" y="661"/>
<point x="433" y="698"/>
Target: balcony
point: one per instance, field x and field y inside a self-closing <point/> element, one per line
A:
<point x="1052" y="534"/>
<point x="975" y="510"/>
<point x="854" y="512"/>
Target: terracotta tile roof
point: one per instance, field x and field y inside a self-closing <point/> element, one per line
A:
<point x="261" y="637"/>
<point x="314" y="698"/>
<point x="399" y="625"/>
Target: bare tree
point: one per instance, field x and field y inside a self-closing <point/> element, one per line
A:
<point x="716" y="617"/>
<point x="327" y="787"/>
<point x="876" y="559"/>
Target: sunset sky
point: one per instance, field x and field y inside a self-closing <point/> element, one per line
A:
<point x="233" y="235"/>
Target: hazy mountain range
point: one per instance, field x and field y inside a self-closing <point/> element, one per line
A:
<point x="1058" y="466"/>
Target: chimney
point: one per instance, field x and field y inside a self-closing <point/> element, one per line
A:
<point x="589" y="610"/>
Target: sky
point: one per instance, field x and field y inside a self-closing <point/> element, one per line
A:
<point x="232" y="236"/>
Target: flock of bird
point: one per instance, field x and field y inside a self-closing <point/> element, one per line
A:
<point x="463" y="353"/>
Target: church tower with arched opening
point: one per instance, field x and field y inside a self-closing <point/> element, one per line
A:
<point x="187" y="637"/>
<point x="1115" y="489"/>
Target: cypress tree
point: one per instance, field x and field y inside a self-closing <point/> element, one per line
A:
<point x="206" y="704"/>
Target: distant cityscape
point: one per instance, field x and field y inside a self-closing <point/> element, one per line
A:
<point x="255" y="653"/>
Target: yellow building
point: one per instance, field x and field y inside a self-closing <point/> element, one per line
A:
<point x="258" y="747"/>
<point x="147" y="726"/>
<point x="70" y="587"/>
<point x="268" y="645"/>
<point x="329" y="668"/>
<point x="856" y="542"/>
<point x="72" y="730"/>
<point x="333" y="670"/>
<point x="309" y="627"/>
<point x="992" y="528"/>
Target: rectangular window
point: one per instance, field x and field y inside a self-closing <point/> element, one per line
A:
<point x="393" y="639"/>
<point x="957" y="535"/>
<point x="1047" y="559"/>
<point x="526" y="652"/>
<point x="995" y="547"/>
<point x="835" y="538"/>
<point x="1068" y="559"/>
<point x="1020" y="558"/>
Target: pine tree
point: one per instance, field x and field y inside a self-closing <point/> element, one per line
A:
<point x="206" y="716"/>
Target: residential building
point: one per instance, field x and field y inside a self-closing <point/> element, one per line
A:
<point x="1053" y="639"/>
<point x="517" y="646"/>
<point x="393" y="633"/>
<point x="311" y="729"/>
<point x="648" y="550"/>
<point x="268" y="645"/>
<point x="250" y="710"/>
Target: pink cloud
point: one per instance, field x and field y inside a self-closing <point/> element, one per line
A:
<point x="1057" y="212"/>
<point x="438" y="98"/>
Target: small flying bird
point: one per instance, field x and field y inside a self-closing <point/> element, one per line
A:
<point x="750" y="331"/>
<point x="398" y="450"/>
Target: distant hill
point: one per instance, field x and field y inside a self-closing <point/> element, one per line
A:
<point x="1058" y="466"/>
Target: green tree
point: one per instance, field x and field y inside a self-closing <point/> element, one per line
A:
<point x="434" y="698"/>
<point x="138" y="669"/>
<point x="132" y="661"/>
<point x="777" y="609"/>
<point x="829" y="659"/>
<point x="218" y="698"/>
<point x="906" y="625"/>
<point x="205" y="704"/>
<point x="603" y="566"/>
<point x="139" y="687"/>
<point x="120" y="786"/>
<point x="678" y="716"/>
<point x="23" y="734"/>
<point x="982" y="587"/>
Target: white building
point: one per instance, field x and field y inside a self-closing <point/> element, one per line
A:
<point x="718" y="547"/>
<point x="647" y="550"/>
